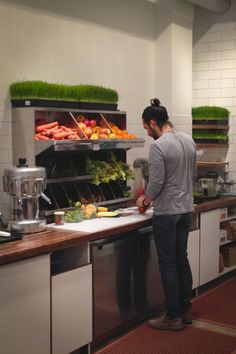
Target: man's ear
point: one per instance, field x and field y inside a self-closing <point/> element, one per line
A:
<point x="152" y="123"/>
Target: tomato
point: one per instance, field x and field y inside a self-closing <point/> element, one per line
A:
<point x="142" y="210"/>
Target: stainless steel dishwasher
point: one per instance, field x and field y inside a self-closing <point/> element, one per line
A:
<point x="126" y="282"/>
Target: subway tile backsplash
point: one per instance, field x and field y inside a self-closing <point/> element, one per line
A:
<point x="214" y="71"/>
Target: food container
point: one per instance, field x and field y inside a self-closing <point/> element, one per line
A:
<point x="59" y="217"/>
<point x="74" y="216"/>
<point x="207" y="186"/>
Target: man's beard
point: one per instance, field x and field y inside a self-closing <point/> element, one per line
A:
<point x="154" y="135"/>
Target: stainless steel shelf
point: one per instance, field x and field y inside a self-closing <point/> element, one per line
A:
<point x="69" y="179"/>
<point x="94" y="145"/>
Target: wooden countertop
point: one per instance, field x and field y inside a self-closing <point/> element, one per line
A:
<point x="50" y="240"/>
<point x="215" y="204"/>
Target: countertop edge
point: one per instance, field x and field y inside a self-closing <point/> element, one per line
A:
<point x="37" y="244"/>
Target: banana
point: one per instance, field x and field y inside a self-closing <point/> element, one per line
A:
<point x="102" y="209"/>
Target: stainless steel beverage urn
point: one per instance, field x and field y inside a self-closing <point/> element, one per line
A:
<point x="25" y="185"/>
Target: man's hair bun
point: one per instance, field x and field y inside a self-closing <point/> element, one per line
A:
<point x="155" y="102"/>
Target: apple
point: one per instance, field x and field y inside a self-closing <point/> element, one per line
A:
<point x="94" y="136"/>
<point x="142" y="210"/>
<point x="80" y="118"/>
<point x="87" y="122"/>
<point x="96" y="129"/>
<point x="102" y="135"/>
<point x="103" y="131"/>
<point x="112" y="136"/>
<point x="82" y="126"/>
<point x="88" y="131"/>
<point x="93" y="123"/>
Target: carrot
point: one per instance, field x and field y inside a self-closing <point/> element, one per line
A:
<point x="74" y="137"/>
<point x="41" y="137"/>
<point x="61" y="135"/>
<point x="43" y="127"/>
<point x="47" y="133"/>
<point x="56" y="130"/>
<point x="66" y="129"/>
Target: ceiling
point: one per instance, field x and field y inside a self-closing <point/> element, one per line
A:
<point x="213" y="5"/>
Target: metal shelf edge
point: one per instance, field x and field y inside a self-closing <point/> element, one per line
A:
<point x="65" y="145"/>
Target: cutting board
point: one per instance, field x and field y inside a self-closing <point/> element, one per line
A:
<point x="101" y="224"/>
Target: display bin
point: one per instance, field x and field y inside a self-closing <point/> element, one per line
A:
<point x="229" y="255"/>
<point x="230" y="228"/>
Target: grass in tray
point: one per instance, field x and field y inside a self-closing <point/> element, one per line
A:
<point x="210" y="113"/>
<point x="51" y="91"/>
<point x="203" y="134"/>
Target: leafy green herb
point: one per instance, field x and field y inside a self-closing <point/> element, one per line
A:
<point x="53" y="91"/>
<point x="205" y="134"/>
<point x="210" y="113"/>
<point x="74" y="216"/>
<point x="104" y="172"/>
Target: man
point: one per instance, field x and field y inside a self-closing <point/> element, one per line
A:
<point x="172" y="159"/>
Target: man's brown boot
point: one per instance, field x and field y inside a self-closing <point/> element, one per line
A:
<point x="164" y="322"/>
<point x="187" y="316"/>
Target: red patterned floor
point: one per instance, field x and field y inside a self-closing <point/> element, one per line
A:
<point x="145" y="340"/>
<point x="217" y="305"/>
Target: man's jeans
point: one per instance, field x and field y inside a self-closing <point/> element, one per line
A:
<point x="171" y="239"/>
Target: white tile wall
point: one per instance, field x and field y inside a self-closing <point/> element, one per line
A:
<point x="214" y="70"/>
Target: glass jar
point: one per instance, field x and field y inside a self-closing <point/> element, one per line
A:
<point x="59" y="217"/>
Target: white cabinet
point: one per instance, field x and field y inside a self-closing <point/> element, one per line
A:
<point x="25" y="306"/>
<point x="193" y="255"/>
<point x="71" y="293"/>
<point x="71" y="310"/>
<point x="209" y="246"/>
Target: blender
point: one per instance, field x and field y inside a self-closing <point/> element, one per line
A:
<point x="140" y="166"/>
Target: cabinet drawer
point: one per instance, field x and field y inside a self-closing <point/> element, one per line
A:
<point x="71" y="310"/>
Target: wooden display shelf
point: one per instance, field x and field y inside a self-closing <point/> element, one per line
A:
<point x="213" y="126"/>
<point x="204" y="164"/>
<point x="227" y="270"/>
<point x="212" y="146"/>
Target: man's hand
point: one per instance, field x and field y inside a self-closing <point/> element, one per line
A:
<point x="139" y="201"/>
<point x="143" y="201"/>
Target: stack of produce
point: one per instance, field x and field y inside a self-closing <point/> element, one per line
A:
<point x="102" y="130"/>
<point x="92" y="130"/>
<point x="104" y="172"/>
<point x="87" y="129"/>
<point x="121" y="133"/>
<point x="55" y="131"/>
<point x="84" y="212"/>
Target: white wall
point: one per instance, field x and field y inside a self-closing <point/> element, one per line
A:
<point x="214" y="68"/>
<point x="174" y="60"/>
<point x="105" y="42"/>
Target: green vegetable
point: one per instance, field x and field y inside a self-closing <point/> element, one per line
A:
<point x="210" y="113"/>
<point x="205" y="134"/>
<point x="74" y="216"/>
<point x="104" y="172"/>
<point x="53" y="91"/>
<point x="78" y="204"/>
